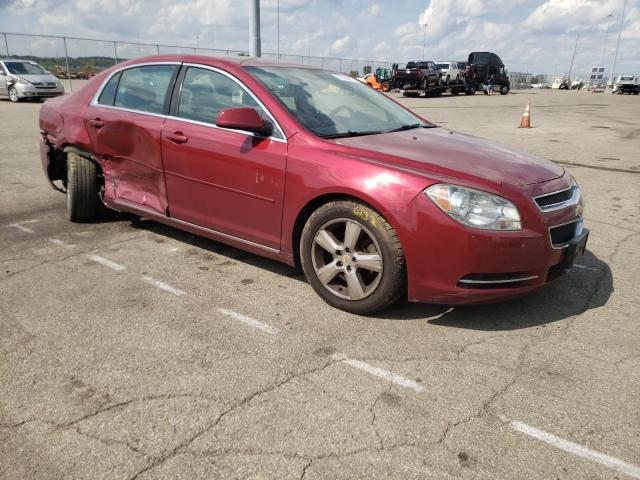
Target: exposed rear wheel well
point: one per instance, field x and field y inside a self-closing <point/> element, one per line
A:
<point x="58" y="167"/>
<point x="306" y="212"/>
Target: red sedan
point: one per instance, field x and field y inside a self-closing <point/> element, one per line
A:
<point x="315" y="169"/>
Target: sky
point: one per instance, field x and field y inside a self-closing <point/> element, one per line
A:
<point x="535" y="36"/>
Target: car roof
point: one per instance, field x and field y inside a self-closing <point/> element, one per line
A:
<point x="21" y="60"/>
<point x="229" y="61"/>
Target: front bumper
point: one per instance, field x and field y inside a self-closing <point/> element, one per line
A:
<point x="31" y="91"/>
<point x="449" y="263"/>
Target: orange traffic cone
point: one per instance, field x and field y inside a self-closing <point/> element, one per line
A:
<point x="526" y="118"/>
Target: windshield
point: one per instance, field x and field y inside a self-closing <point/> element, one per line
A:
<point x="332" y="104"/>
<point x="626" y="77"/>
<point x="25" y="68"/>
<point x="442" y="66"/>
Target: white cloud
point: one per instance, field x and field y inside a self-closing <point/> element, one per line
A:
<point x="372" y="10"/>
<point x="339" y="45"/>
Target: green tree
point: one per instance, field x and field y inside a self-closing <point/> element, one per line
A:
<point x="366" y="69"/>
<point x="90" y="66"/>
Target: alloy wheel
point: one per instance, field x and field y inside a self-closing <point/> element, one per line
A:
<point x="347" y="259"/>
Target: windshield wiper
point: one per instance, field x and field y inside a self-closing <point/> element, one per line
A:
<point x="351" y="133"/>
<point x="406" y="127"/>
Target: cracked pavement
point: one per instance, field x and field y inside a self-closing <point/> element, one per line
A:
<point x="105" y="376"/>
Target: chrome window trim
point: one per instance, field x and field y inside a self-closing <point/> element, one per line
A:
<point x="564" y="245"/>
<point x="94" y="101"/>
<point x="571" y="202"/>
<point x="489" y="282"/>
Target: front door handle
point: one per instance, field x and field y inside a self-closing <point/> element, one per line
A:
<point x="176" y="137"/>
<point x="96" y="122"/>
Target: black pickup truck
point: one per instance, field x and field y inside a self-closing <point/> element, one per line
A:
<point x="418" y="76"/>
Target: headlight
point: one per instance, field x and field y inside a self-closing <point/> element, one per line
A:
<point x="22" y="81"/>
<point x="475" y="208"/>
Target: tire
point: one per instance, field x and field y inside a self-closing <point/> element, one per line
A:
<point x="82" y="189"/>
<point x="385" y="87"/>
<point x="470" y="91"/>
<point x="13" y="95"/>
<point x="504" y="90"/>
<point x="346" y="285"/>
<point x="455" y="91"/>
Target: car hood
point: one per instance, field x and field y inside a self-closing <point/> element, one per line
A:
<point x="441" y="151"/>
<point x="38" y="78"/>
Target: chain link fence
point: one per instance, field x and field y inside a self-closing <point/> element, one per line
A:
<point x="69" y="56"/>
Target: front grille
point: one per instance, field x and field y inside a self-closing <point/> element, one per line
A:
<point x="562" y="234"/>
<point x="560" y="199"/>
<point x="555" y="198"/>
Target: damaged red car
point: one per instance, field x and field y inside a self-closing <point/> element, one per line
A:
<point x="314" y="169"/>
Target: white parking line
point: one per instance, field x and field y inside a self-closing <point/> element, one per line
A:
<point x="107" y="263"/>
<point x="575" y="449"/>
<point x="379" y="372"/>
<point x="249" y="321"/>
<point x="584" y="267"/>
<point x="163" y="286"/>
<point x="20" y="226"/>
<point x="60" y="243"/>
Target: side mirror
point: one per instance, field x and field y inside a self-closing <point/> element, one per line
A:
<point x="243" y="118"/>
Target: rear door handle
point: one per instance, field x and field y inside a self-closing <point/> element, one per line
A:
<point x="176" y="137"/>
<point x="96" y="122"/>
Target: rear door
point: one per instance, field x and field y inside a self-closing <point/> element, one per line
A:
<point x="226" y="180"/>
<point x="3" y="80"/>
<point x="125" y="122"/>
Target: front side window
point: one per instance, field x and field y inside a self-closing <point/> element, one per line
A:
<point x="25" y="68"/>
<point x="206" y="93"/>
<point x="144" y="88"/>
<point x="333" y="105"/>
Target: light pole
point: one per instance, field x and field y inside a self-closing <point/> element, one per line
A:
<point x="615" y="56"/>
<point x="278" y="27"/>
<point x="254" y="30"/>
<point x="606" y="37"/>
<point x="424" y="39"/>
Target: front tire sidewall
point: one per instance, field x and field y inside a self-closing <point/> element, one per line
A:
<point x="392" y="283"/>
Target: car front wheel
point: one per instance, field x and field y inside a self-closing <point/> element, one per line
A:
<point x="13" y="95"/>
<point x="352" y="257"/>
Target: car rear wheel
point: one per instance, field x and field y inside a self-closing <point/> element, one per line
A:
<point x="504" y="90"/>
<point x="352" y="257"/>
<point x="470" y="91"/>
<point x="13" y="95"/>
<point x="385" y="87"/>
<point x="82" y="189"/>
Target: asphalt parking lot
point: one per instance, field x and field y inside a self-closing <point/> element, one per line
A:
<point x="130" y="350"/>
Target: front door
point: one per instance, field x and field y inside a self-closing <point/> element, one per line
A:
<point x="125" y="125"/>
<point x="226" y="180"/>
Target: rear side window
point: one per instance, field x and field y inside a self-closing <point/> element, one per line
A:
<point x="108" y="94"/>
<point x="144" y="88"/>
<point x="206" y="93"/>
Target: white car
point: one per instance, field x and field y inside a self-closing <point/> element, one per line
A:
<point x="450" y="71"/>
<point x="26" y="79"/>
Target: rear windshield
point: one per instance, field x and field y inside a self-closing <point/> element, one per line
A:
<point x="412" y="65"/>
<point x="626" y="77"/>
<point x="442" y="66"/>
<point x="25" y="68"/>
